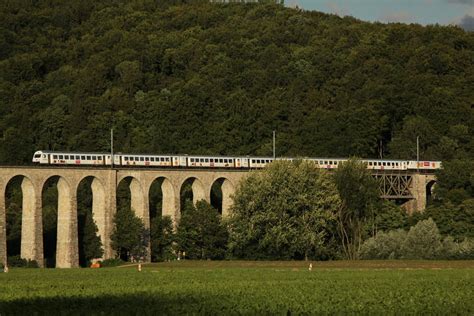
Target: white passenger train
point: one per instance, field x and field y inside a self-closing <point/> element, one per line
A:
<point x="141" y="160"/>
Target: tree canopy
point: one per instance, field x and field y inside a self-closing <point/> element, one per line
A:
<point x="286" y="211"/>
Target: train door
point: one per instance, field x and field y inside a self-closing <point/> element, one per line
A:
<point x="183" y="161"/>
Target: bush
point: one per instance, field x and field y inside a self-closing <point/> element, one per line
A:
<point x="384" y="245"/>
<point x="18" y="262"/>
<point x="423" y="241"/>
<point x="450" y="249"/>
<point x="114" y="262"/>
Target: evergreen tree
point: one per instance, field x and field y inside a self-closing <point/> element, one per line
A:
<point x="129" y="238"/>
<point x="200" y="234"/>
<point x="89" y="241"/>
<point x="161" y="234"/>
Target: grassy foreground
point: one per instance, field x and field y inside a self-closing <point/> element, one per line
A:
<point x="236" y="287"/>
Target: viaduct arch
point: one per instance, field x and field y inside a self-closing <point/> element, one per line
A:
<point x="104" y="186"/>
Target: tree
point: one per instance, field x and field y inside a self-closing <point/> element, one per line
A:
<point x="161" y="238"/>
<point x="456" y="220"/>
<point x="360" y="197"/>
<point x="455" y="181"/>
<point x="89" y="240"/>
<point x="200" y="233"/>
<point x="283" y="212"/>
<point x="129" y="238"/>
<point x="423" y="241"/>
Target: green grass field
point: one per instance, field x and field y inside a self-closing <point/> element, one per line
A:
<point x="236" y="287"/>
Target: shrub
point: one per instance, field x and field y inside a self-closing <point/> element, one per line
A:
<point x="18" y="262"/>
<point x="384" y="245"/>
<point x="114" y="262"/>
<point x="423" y="241"/>
<point x="450" y="249"/>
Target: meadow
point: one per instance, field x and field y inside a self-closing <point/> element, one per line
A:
<point x="240" y="287"/>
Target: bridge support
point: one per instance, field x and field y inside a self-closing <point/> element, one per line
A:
<point x="3" y="226"/>
<point x="227" y="189"/>
<point x="199" y="193"/>
<point x="419" y="192"/>
<point x="67" y="249"/>
<point x="31" y="224"/>
<point x="170" y="202"/>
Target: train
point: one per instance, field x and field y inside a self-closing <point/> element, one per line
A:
<point x="192" y="161"/>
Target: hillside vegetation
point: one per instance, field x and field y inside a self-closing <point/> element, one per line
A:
<point x="215" y="79"/>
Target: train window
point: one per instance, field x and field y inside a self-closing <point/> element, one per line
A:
<point x="88" y="157"/>
<point x="142" y="159"/>
<point x="147" y="159"/>
<point x="99" y="157"/>
<point x="55" y="157"/>
<point x="61" y="157"/>
<point x="225" y="160"/>
<point x="211" y="160"/>
<point x="258" y="160"/>
<point x="253" y="160"/>
<point x="325" y="162"/>
<point x="370" y="163"/>
<point x="384" y="163"/>
<point x="221" y="160"/>
<point x="153" y="159"/>
<point x="94" y="157"/>
<point x="167" y="159"/>
<point x="125" y="158"/>
<point x="335" y="162"/>
<point x="192" y="159"/>
<point x="78" y="157"/>
<point x="330" y="162"/>
<point x="207" y="160"/>
<point x="66" y="157"/>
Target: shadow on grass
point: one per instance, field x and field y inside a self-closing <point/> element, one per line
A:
<point x="128" y="304"/>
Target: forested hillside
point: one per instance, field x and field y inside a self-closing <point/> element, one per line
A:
<point x="213" y="78"/>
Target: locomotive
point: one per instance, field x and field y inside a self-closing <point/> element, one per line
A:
<point x="192" y="161"/>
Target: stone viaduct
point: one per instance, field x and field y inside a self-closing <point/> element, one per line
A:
<point x="412" y="188"/>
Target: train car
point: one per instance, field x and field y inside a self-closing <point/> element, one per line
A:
<point x="69" y="158"/>
<point x="424" y="165"/>
<point x="259" y="162"/>
<point x="386" y="164"/>
<point x="328" y="163"/>
<point x="146" y="160"/>
<point x="211" y="162"/>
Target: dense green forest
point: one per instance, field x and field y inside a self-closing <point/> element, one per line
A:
<point x="208" y="78"/>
